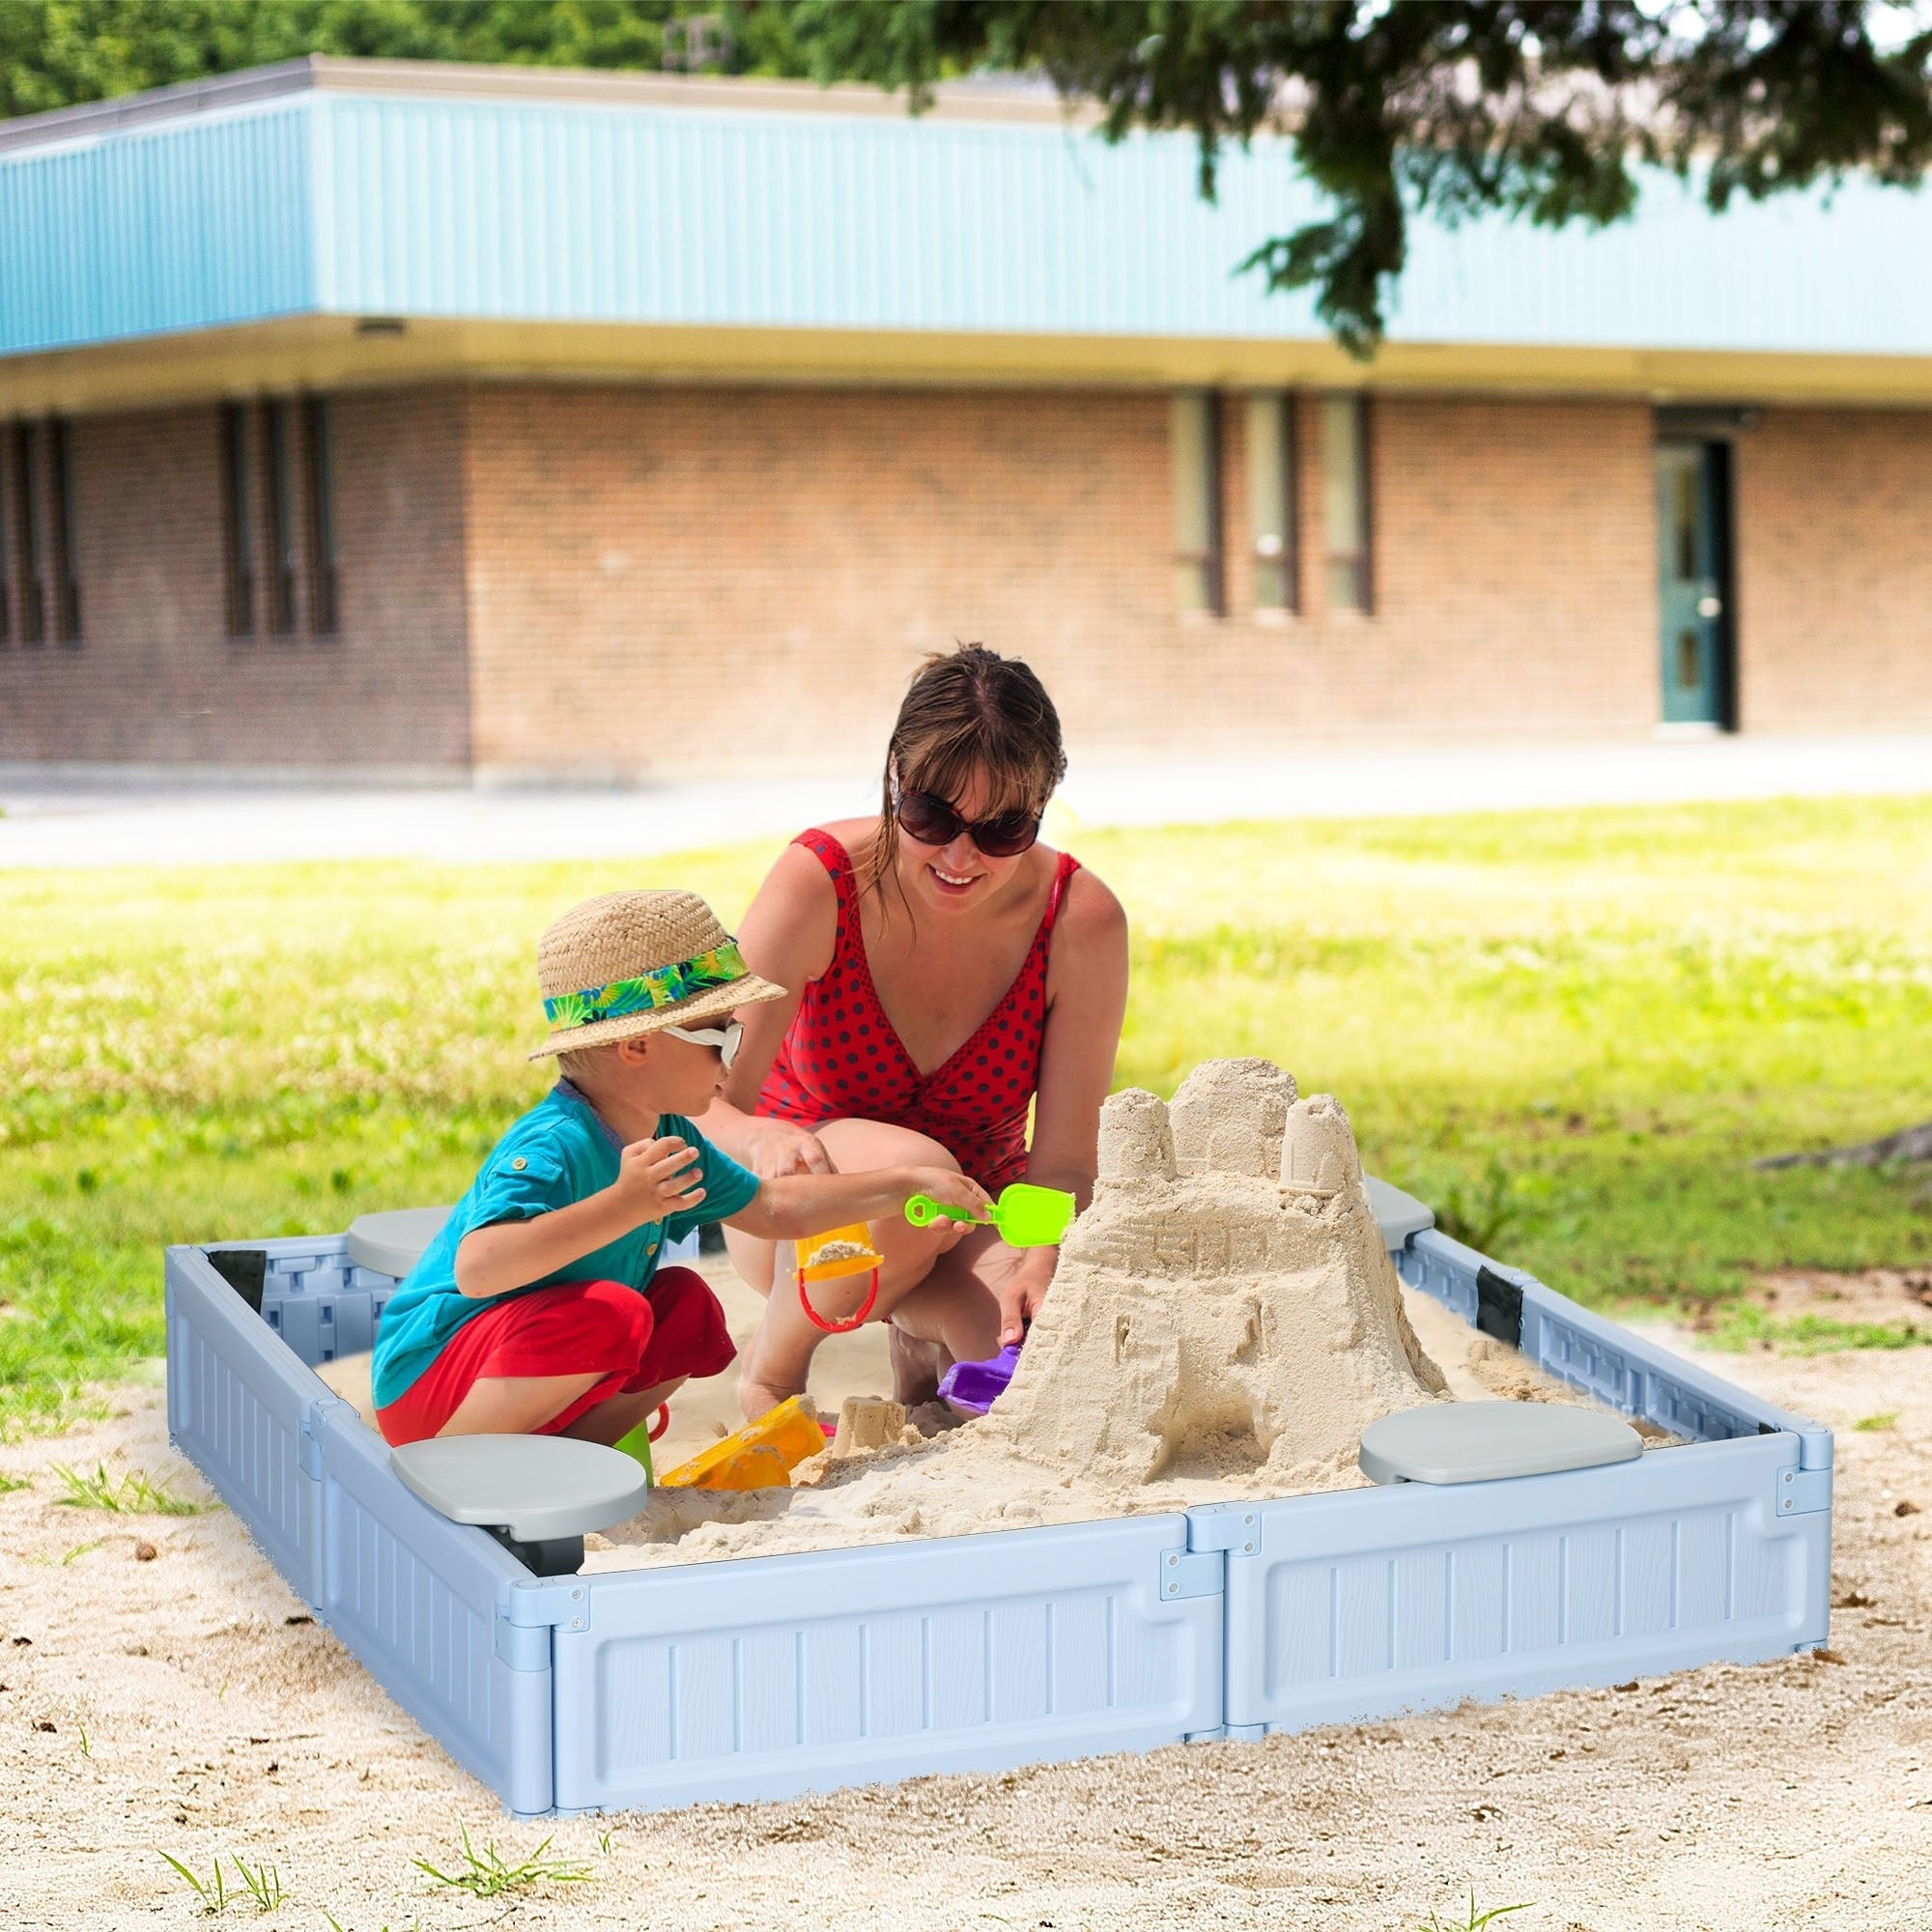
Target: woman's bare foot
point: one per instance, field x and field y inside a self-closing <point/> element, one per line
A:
<point x="917" y="1366"/>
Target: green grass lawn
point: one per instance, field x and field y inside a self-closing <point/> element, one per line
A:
<point x="1572" y="1030"/>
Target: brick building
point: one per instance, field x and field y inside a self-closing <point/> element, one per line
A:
<point x="405" y="417"/>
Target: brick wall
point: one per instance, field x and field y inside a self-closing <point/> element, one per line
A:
<point x="675" y="579"/>
<point x="1834" y="571"/>
<point x="158" y="678"/>
<point x="618" y="581"/>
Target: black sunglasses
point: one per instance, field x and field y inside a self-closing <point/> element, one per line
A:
<point x="927" y="817"/>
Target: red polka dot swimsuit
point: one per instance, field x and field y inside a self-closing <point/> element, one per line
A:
<point x="842" y="1059"/>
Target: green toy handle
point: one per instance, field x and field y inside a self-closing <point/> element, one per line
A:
<point x="923" y="1210"/>
<point x="1026" y="1217"/>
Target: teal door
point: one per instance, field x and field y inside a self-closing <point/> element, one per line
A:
<point x="1692" y="582"/>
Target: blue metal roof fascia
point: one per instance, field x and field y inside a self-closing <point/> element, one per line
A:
<point x="756" y="218"/>
<point x="535" y="212"/>
<point x="158" y="229"/>
<point x="1845" y="271"/>
<point x="335" y="201"/>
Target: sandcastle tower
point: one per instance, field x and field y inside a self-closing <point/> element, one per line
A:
<point x="1226" y="1303"/>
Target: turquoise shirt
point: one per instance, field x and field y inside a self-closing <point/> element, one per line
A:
<point x="558" y="1152"/>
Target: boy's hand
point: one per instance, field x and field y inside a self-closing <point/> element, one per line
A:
<point x="950" y="1188"/>
<point x="657" y="1179"/>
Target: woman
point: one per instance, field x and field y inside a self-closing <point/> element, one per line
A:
<point x="948" y="971"/>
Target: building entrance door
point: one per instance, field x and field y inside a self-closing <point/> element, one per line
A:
<point x="1693" y="581"/>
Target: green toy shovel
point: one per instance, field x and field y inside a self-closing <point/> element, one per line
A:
<point x="1026" y="1217"/>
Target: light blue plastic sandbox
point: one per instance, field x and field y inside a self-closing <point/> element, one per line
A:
<point x="762" y="1677"/>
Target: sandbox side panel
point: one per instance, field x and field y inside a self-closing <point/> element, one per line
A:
<point x="762" y="1679"/>
<point x="1587" y="1350"/>
<point x="417" y="1599"/>
<point x="1370" y="1602"/>
<point x="237" y="1407"/>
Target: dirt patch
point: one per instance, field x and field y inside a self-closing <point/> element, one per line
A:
<point x="1802" y="1310"/>
<point x="1896" y="1297"/>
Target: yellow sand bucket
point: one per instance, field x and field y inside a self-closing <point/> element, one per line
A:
<point x="760" y="1456"/>
<point x="831" y="1256"/>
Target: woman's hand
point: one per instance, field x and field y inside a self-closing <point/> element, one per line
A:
<point x="655" y="1180"/>
<point x="1021" y="1287"/>
<point x="772" y="1147"/>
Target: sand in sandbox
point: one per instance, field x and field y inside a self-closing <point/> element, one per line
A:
<point x="1224" y="1322"/>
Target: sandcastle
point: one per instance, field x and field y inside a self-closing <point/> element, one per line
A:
<point x="1224" y="1321"/>
<point x="1226" y="1304"/>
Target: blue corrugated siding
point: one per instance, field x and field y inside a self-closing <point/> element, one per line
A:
<point x="763" y="219"/>
<point x="718" y="219"/>
<point x="1849" y="273"/>
<point x="809" y="221"/>
<point x="166" y="228"/>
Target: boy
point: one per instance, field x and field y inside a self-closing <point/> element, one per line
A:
<point x="540" y="1309"/>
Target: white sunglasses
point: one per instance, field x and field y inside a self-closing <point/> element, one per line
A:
<point x="726" y="1039"/>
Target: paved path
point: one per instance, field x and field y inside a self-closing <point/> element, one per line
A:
<point x="49" y="823"/>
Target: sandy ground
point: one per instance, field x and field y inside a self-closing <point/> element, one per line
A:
<point x="185" y="1704"/>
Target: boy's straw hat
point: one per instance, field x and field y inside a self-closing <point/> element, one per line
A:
<point x="637" y="962"/>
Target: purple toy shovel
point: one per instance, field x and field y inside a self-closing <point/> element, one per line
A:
<point x="974" y="1386"/>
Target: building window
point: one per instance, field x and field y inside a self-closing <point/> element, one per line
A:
<point x="27" y="538"/>
<point x="1346" y="508"/>
<point x="280" y="520"/>
<point x="322" y="611"/>
<point x="237" y="525"/>
<point x="1197" y="502"/>
<point x="1272" y="498"/>
<point x="61" y="528"/>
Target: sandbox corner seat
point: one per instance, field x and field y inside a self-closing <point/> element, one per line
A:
<point x="536" y="1494"/>
<point x="392" y="1243"/>
<point x="1490" y="1441"/>
<point x="1398" y="1215"/>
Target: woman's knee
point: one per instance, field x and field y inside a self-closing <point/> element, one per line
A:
<point x="859" y="1145"/>
<point x="756" y="1261"/>
<point x="856" y="1144"/>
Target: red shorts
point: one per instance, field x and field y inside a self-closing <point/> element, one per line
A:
<point x="633" y="1341"/>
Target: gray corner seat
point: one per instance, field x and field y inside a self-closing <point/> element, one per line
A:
<point x="1399" y="1215"/>
<point x="535" y="1494"/>
<point x="1486" y="1441"/>
<point x="392" y="1243"/>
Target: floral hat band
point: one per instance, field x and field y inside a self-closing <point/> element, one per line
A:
<point x="656" y="986"/>
<point x="609" y="948"/>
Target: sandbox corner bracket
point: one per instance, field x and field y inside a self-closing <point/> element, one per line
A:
<point x="1192" y="1573"/>
<point x="561" y="1602"/>
<point x="528" y="1614"/>
<point x="314" y="1425"/>
<point x="1802" y="1491"/>
<point x="1233" y="1527"/>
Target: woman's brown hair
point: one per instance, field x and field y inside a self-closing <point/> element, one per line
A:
<point x="968" y="712"/>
